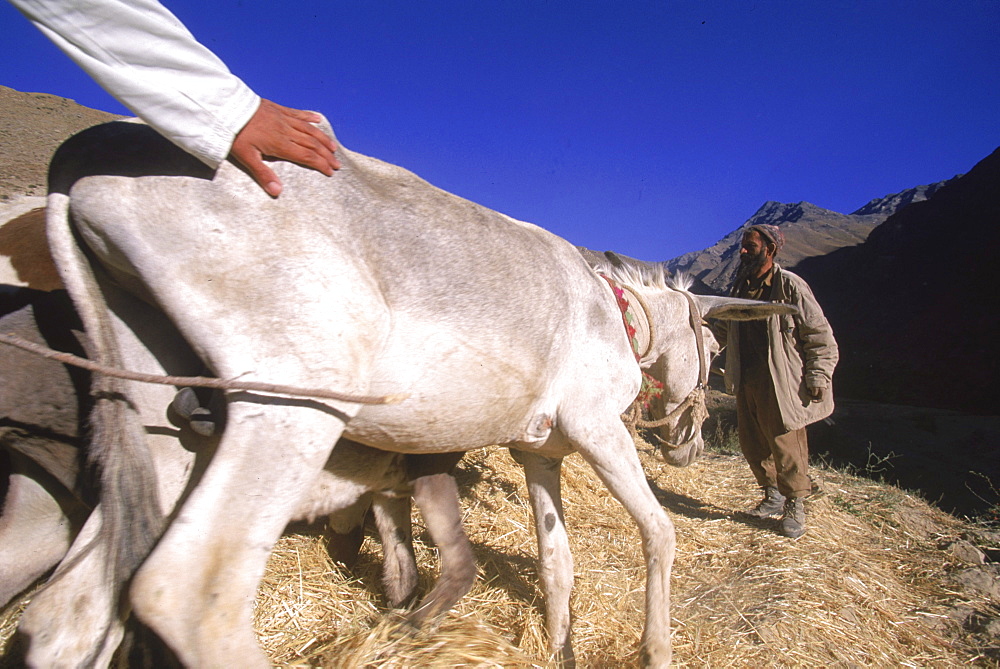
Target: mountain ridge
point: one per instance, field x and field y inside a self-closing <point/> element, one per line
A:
<point x="810" y="231"/>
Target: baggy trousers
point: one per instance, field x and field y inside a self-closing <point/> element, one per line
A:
<point x="776" y="456"/>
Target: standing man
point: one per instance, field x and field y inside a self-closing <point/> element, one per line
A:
<point x="781" y="371"/>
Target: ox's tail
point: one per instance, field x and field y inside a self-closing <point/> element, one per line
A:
<point x="130" y="509"/>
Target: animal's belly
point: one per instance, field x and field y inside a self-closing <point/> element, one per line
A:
<point x="461" y="395"/>
<point x="438" y="427"/>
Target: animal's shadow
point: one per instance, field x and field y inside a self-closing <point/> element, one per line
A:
<point x="495" y="565"/>
<point x="513" y="571"/>
<point x="690" y="507"/>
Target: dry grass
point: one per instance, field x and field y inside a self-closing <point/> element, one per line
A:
<point x="864" y="587"/>
<point x="860" y="589"/>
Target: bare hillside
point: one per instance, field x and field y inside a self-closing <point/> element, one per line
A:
<point x="921" y="326"/>
<point x="32" y="125"/>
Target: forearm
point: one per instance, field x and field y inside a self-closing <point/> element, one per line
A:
<point x="820" y="356"/>
<point x="143" y="56"/>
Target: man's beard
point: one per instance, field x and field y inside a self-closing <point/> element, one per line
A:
<point x="750" y="265"/>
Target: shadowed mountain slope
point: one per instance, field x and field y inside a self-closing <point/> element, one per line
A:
<point x="914" y="307"/>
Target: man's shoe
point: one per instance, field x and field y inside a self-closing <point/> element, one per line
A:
<point x="770" y="506"/>
<point x="793" y="522"/>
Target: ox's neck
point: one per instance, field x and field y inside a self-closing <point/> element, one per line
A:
<point x="673" y="331"/>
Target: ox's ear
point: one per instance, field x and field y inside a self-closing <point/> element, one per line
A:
<point x="736" y="309"/>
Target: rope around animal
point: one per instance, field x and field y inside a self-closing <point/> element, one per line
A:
<point x="196" y="381"/>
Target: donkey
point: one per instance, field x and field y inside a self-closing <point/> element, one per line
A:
<point x="42" y="505"/>
<point x="373" y="282"/>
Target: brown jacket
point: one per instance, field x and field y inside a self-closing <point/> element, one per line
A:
<point x="803" y="353"/>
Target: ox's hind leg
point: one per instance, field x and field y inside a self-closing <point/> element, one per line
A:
<point x="433" y="487"/>
<point x="436" y="495"/>
<point x="555" y="562"/>
<point x="609" y="449"/>
<point x="399" y="566"/>
<point x="196" y="590"/>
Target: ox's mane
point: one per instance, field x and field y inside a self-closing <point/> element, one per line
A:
<point x="634" y="274"/>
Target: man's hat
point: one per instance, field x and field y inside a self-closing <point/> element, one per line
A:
<point x="770" y="233"/>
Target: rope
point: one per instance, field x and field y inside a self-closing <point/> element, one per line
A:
<point x="699" y="413"/>
<point x="195" y="381"/>
<point x="696" y="398"/>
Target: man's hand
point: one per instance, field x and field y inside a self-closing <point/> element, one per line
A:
<point x="287" y="134"/>
<point x="818" y="394"/>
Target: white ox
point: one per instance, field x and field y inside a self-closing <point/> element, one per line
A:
<point x="371" y="282"/>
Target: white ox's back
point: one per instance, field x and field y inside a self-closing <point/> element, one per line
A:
<point x="370" y="281"/>
<point x="377" y="282"/>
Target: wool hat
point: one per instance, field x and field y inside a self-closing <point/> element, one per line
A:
<point x="770" y="233"/>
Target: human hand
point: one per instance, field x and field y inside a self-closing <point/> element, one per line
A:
<point x="818" y="394"/>
<point x="287" y="134"/>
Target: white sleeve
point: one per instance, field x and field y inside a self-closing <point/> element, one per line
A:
<point x="144" y="56"/>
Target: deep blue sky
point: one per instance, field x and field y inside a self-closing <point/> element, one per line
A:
<point x="650" y="128"/>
